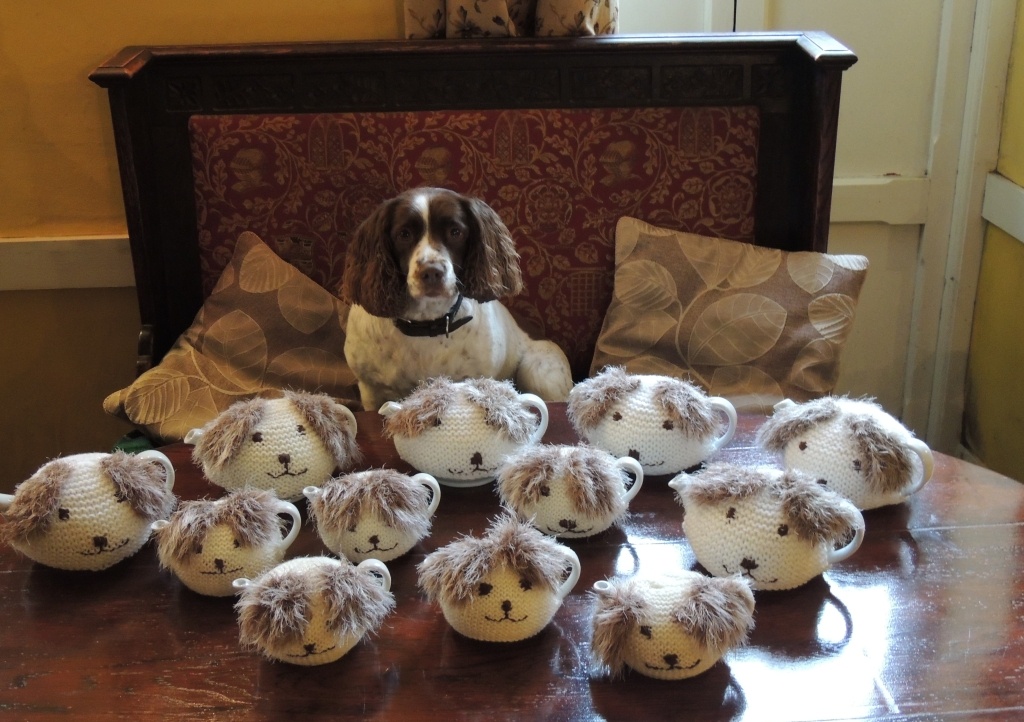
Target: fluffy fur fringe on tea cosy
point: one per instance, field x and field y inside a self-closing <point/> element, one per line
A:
<point x="276" y="608"/>
<point x="389" y="495"/>
<point x="814" y="512"/>
<point x="452" y="572"/>
<point x="251" y="515"/>
<point x="717" y="612"/>
<point x="425" y="408"/>
<point x="679" y="400"/>
<point x="138" y="482"/>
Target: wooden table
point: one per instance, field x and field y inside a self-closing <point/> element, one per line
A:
<point x="925" y="620"/>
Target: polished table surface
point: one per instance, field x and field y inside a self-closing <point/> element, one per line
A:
<point x="925" y="621"/>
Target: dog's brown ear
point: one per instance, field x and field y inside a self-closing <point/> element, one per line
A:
<point x="491" y="265"/>
<point x="372" y="277"/>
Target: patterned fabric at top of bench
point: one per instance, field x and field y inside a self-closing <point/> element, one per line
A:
<point x="560" y="179"/>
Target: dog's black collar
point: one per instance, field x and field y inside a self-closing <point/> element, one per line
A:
<point x="436" y="327"/>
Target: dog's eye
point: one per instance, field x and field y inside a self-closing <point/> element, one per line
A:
<point x="545" y="490"/>
<point x="257" y="437"/>
<point x="404" y="234"/>
<point x="783" y="529"/>
<point x="301" y="429"/>
<point x="731" y="514"/>
<point x="237" y="544"/>
<point x="197" y="548"/>
<point x="63" y="514"/>
<point x="857" y="465"/>
<point x="525" y="584"/>
<point x="616" y="416"/>
<point x="802" y="446"/>
<point x="484" y="589"/>
<point x="646" y="631"/>
<point x="454" y="232"/>
<point x="668" y="425"/>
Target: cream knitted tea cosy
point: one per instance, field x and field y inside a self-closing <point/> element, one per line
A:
<point x="88" y="511"/>
<point x="777" y="529"/>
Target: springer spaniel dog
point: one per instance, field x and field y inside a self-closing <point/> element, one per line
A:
<point x="423" y="274"/>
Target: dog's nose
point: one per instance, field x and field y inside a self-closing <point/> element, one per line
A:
<point x="567" y="524"/>
<point x="748" y="564"/>
<point x="284" y="459"/>
<point x="506" y="606"/>
<point x="100" y="542"/>
<point x="374" y="540"/>
<point x="219" y="563"/>
<point x="671" y="660"/>
<point x="432" y="274"/>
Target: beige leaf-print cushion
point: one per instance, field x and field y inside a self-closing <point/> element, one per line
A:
<point x="755" y="325"/>
<point x="264" y="327"/>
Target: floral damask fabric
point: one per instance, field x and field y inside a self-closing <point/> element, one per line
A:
<point x="752" y="324"/>
<point x="264" y="327"/>
<point x="560" y="179"/>
<point x="509" y="18"/>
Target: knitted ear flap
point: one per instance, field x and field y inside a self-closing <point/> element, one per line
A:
<point x="491" y="264"/>
<point x="35" y="502"/>
<point x="140" y="483"/>
<point x="422" y="409"/>
<point x="718" y="612"/>
<point x="885" y="460"/>
<point x="252" y="516"/>
<point x="786" y="424"/>
<point x="620" y="609"/>
<point x="226" y="434"/>
<point x="816" y="513"/>
<point x="275" y="613"/>
<point x="372" y="278"/>
<point x="590" y="400"/>
<point x="354" y="602"/>
<point x="685" y="405"/>
<point x="521" y="483"/>
<point x="331" y="424"/>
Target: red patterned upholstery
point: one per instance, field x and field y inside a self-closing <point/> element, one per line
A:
<point x="560" y="179"/>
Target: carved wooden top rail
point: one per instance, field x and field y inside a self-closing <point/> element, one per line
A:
<point x="793" y="79"/>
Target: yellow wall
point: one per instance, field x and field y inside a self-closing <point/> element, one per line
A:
<point x="62" y="351"/>
<point x="994" y="413"/>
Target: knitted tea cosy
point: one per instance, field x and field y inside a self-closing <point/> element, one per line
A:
<point x="89" y="511"/>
